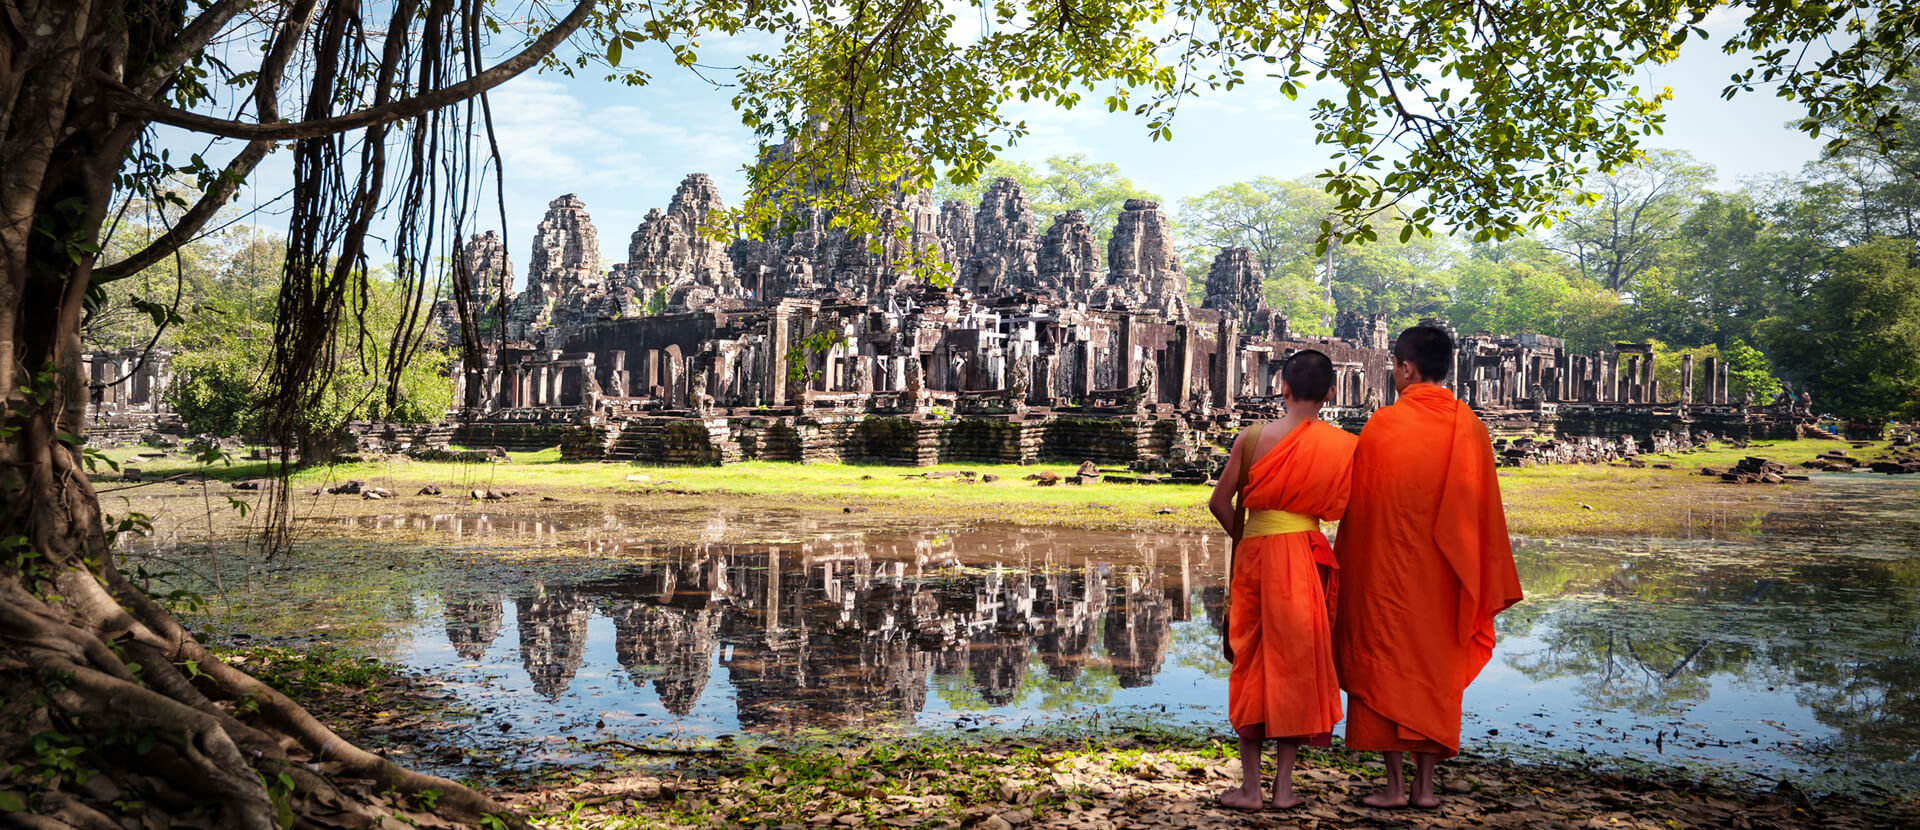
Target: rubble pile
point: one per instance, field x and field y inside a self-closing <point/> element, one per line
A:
<point x="1526" y="452"/>
<point x="1754" y="470"/>
<point x="1903" y="460"/>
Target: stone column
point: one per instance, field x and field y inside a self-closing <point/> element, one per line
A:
<point x="1227" y="381"/>
<point x="617" y="374"/>
<point x="1182" y="369"/>
<point x="1686" y="379"/>
<point x="779" y="331"/>
<point x="1649" y="387"/>
<point x="1126" y="374"/>
<point x="1083" y="372"/>
<point x="1722" y="388"/>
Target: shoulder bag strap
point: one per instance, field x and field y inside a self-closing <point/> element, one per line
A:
<point x="1250" y="446"/>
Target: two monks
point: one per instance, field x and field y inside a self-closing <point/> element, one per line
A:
<point x="1423" y="566"/>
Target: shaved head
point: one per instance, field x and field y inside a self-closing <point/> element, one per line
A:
<point x="1308" y="375"/>
<point x="1428" y="349"/>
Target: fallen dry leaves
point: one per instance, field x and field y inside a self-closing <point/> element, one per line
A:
<point x="1002" y="786"/>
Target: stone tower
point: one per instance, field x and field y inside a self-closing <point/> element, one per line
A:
<point x="1069" y="259"/>
<point x="1236" y="285"/>
<point x="1004" y="241"/>
<point x="675" y="252"/>
<point x="1142" y="266"/>
<point x="566" y="248"/>
<point x="489" y="269"/>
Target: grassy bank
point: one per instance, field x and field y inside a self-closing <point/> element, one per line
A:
<point x="1547" y="501"/>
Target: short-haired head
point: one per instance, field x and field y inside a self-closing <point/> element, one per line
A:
<point x="1308" y="375"/>
<point x="1428" y="349"/>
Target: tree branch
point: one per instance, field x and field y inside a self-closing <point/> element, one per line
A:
<point x="134" y="105"/>
<point x="190" y="222"/>
<point x="266" y="103"/>
<point x="192" y="39"/>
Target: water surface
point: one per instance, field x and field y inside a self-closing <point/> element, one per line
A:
<point x="1789" y="648"/>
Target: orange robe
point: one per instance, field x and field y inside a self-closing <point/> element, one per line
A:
<point x="1281" y="621"/>
<point x="1427" y="564"/>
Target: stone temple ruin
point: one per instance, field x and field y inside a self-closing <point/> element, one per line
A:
<point x="814" y="345"/>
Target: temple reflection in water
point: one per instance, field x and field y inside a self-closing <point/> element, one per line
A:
<point x="848" y="631"/>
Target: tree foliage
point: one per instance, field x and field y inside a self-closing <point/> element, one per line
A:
<point x="218" y="373"/>
<point x="1279" y="220"/>
<point x="1634" y="221"/>
<point x="1853" y="344"/>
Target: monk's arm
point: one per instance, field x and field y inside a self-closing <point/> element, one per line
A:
<point x="1222" y="501"/>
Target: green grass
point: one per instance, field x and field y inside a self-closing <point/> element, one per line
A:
<point x="1585" y="500"/>
<point x="1545" y="501"/>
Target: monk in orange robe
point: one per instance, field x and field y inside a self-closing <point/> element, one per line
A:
<point x="1280" y="619"/>
<point x="1426" y="564"/>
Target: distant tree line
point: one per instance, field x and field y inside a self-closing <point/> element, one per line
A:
<point x="213" y="304"/>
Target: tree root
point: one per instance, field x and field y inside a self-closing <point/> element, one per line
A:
<point x="115" y="667"/>
<point x="280" y="713"/>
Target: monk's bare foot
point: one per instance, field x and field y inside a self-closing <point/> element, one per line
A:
<point x="1287" y="801"/>
<point x="1239" y="799"/>
<point x="1423" y="802"/>
<point x="1386" y="799"/>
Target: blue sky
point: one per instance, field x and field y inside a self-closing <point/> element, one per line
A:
<point x="624" y="149"/>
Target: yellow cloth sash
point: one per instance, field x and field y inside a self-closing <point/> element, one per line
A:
<point x="1277" y="522"/>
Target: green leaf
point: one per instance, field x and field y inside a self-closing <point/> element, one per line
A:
<point x="11" y="802"/>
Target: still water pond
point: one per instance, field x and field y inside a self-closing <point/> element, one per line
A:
<point x="1786" y="649"/>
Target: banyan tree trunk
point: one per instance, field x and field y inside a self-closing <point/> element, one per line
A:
<point x="108" y="701"/>
<point x="109" y="709"/>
